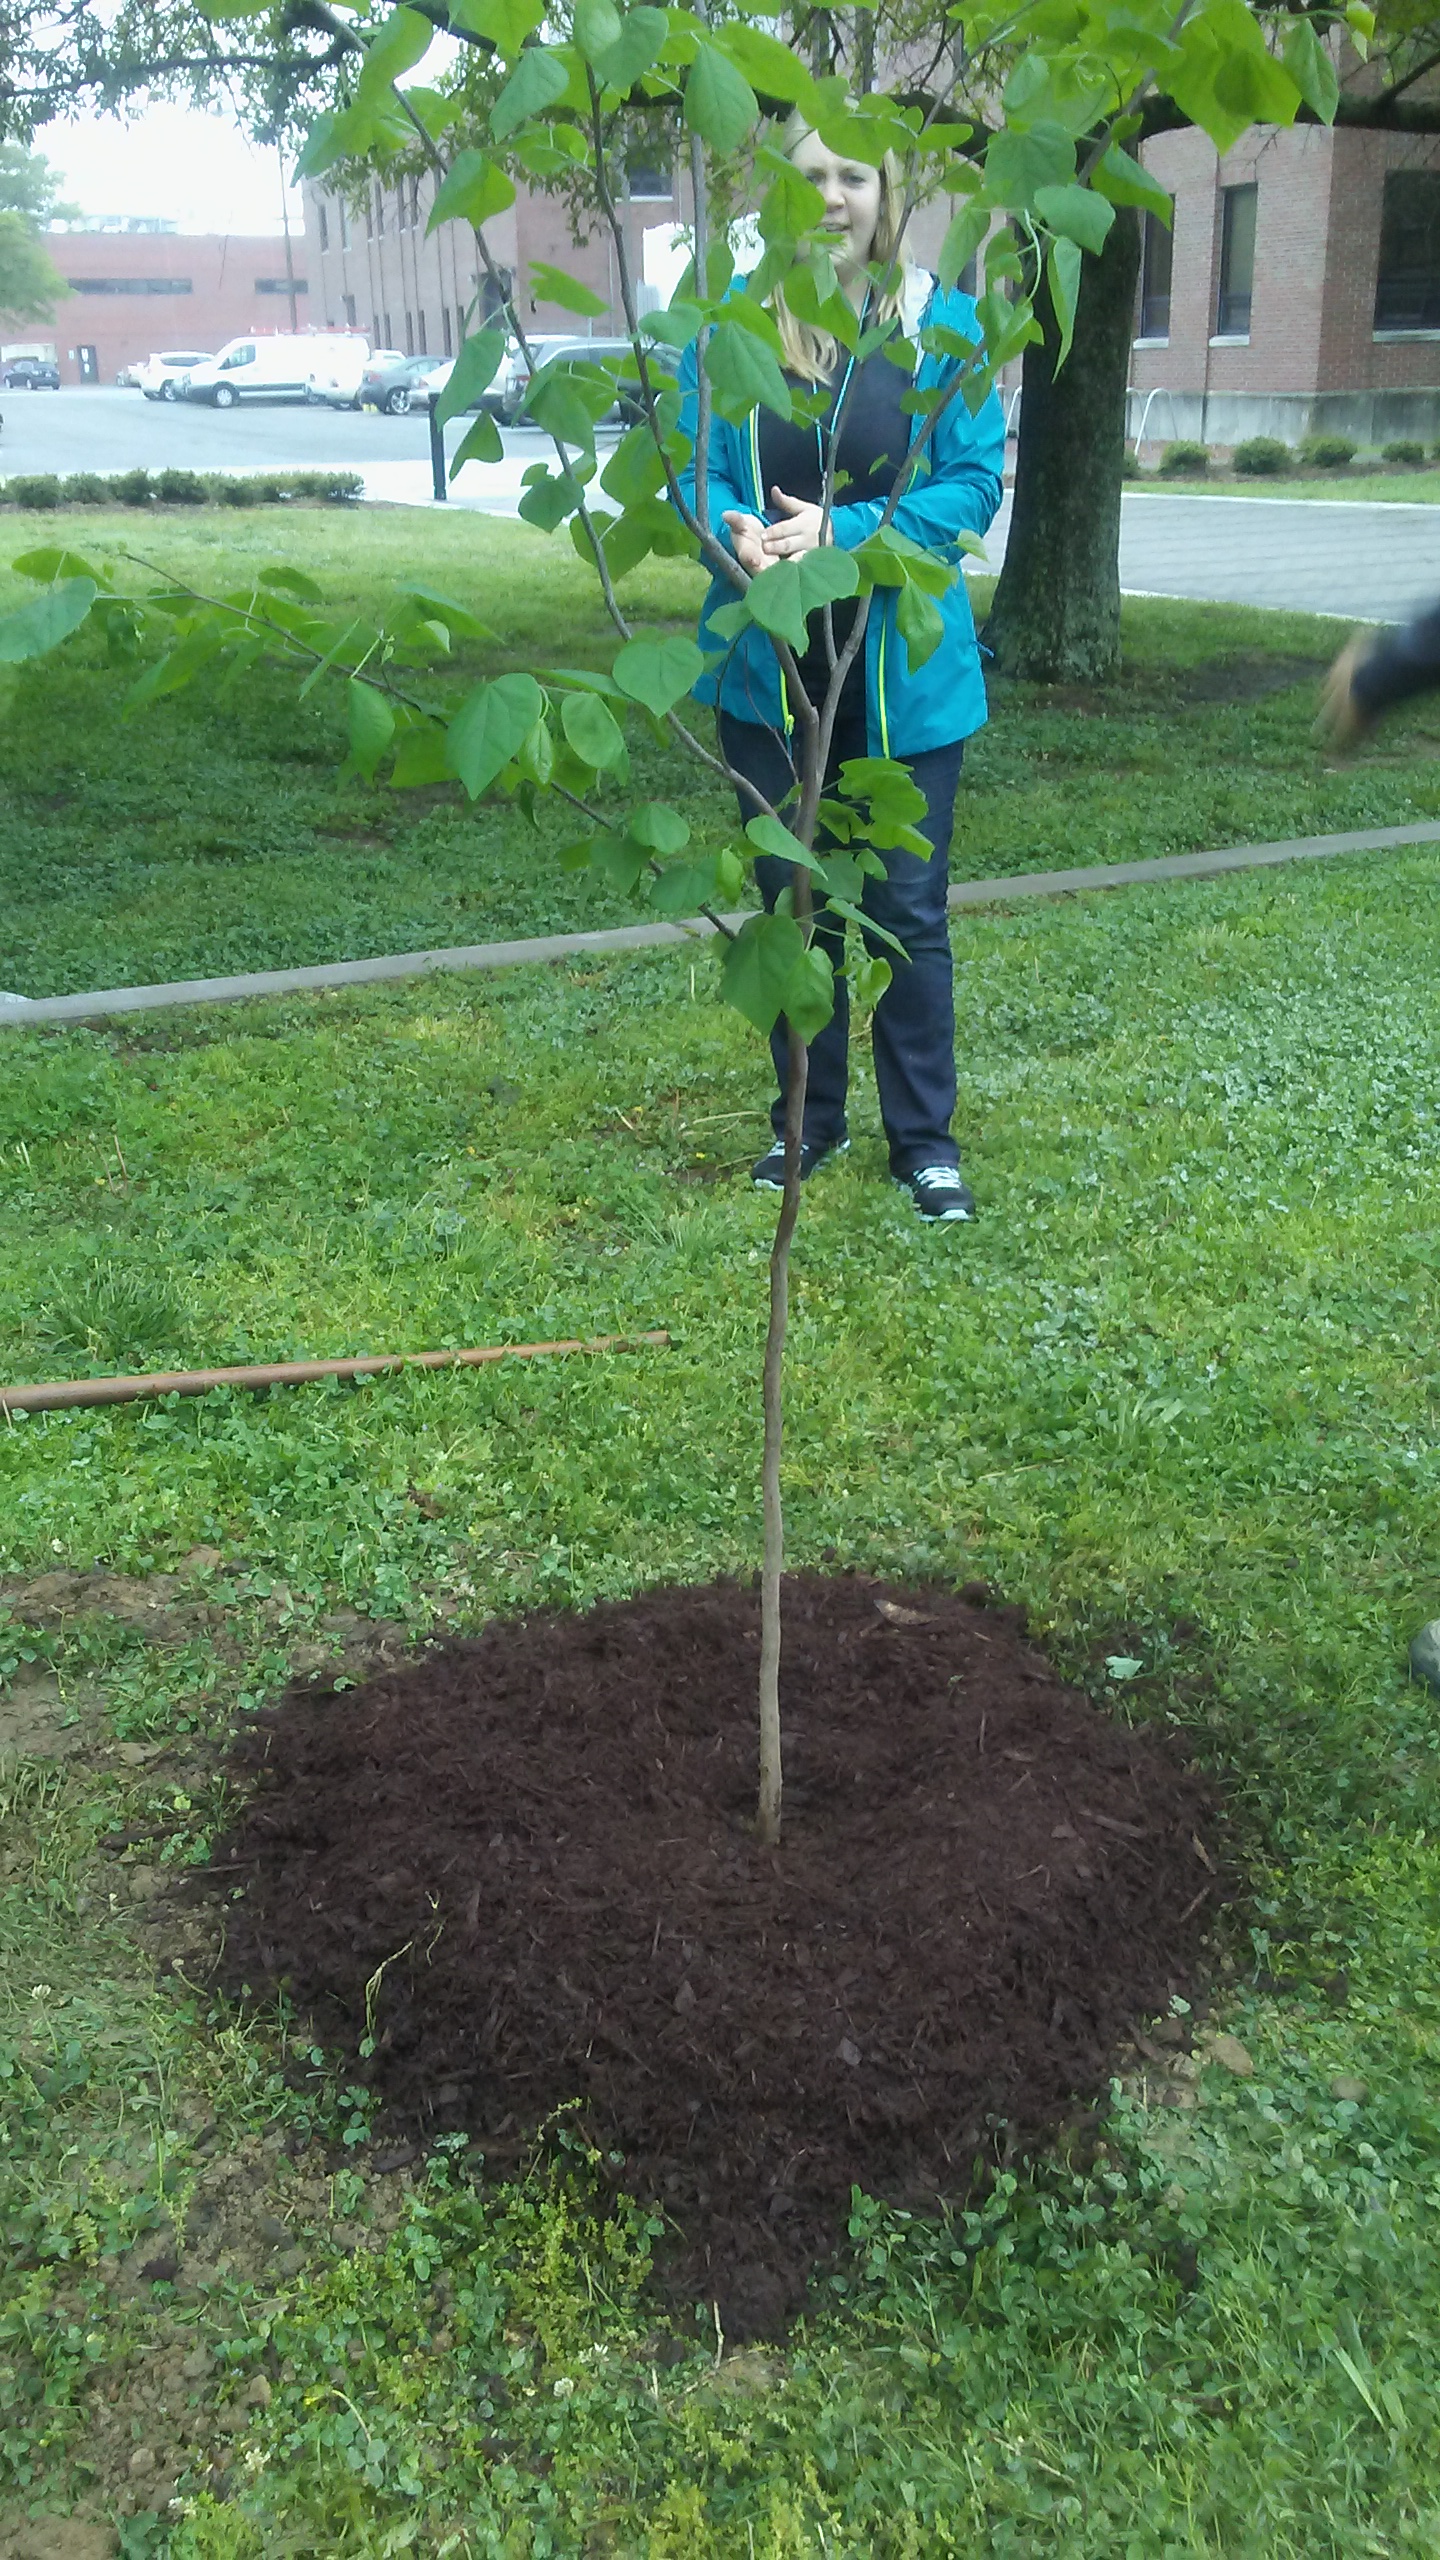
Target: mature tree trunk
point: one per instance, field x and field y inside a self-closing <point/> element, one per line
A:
<point x="1056" y="615"/>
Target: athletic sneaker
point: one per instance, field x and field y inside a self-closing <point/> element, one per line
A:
<point x="769" y="1173"/>
<point x="938" y="1193"/>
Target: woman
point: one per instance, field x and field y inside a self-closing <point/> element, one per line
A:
<point x="765" y="490"/>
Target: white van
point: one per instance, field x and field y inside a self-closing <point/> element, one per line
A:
<point x="265" y="368"/>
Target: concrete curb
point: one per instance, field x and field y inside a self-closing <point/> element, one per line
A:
<point x="23" y="1012"/>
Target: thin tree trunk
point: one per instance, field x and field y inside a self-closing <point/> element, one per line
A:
<point x="768" y="1819"/>
<point x="1056" y="614"/>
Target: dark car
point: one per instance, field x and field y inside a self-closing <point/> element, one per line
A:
<point x="615" y="354"/>
<point x="29" y="373"/>
<point x="394" y="383"/>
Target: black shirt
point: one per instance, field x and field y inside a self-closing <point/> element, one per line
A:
<point x="873" y="441"/>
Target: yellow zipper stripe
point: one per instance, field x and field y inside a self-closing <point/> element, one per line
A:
<point x="880" y="687"/>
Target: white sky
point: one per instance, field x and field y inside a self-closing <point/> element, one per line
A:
<point x="188" y="166"/>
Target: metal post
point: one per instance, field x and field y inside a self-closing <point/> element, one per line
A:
<point x="437" y="451"/>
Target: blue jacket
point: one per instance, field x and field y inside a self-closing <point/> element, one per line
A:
<point x="908" y="714"/>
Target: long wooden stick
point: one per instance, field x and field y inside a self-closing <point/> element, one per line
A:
<point x="60" y="1394"/>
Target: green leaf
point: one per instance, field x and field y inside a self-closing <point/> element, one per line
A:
<point x="372" y="726"/>
<point x="506" y="23"/>
<point x="550" y="498"/>
<point x="758" y="966"/>
<point x="719" y="103"/>
<point x="481" y="442"/>
<point x="774" y="601"/>
<point x="1312" y="70"/>
<point x="688" y="886"/>
<point x="744" y="374"/>
<point x="962" y="242"/>
<point x="39" y="626"/>
<point x="556" y="284"/>
<point x="1075" y="213"/>
<point x="1224" y="79"/>
<point x="49" y="564"/>
<point x="491" y="723"/>
<point x="592" y="729"/>
<point x="635" y="469"/>
<point x="918" y="621"/>
<point x="808" y="999"/>
<point x="1017" y="163"/>
<point x="460" y="619"/>
<point x="639" y="46"/>
<point x="536" y="754"/>
<point x="868" y="977"/>
<point x="1062" y="266"/>
<point x="475" y="369"/>
<point x="769" y="836"/>
<point x="792" y="205"/>
<point x="473" y="189"/>
<point x="403" y="39"/>
<point x="659" y="828"/>
<point x="1124" y="181"/>
<point x="291" y="582"/>
<point x="658" y="673"/>
<point x="420" y="759"/>
<point x="766" y="63"/>
<point x="538" y="81"/>
<point x="597" y="27"/>
<point x="826" y="574"/>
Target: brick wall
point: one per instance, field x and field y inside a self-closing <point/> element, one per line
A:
<point x="222" y="274"/>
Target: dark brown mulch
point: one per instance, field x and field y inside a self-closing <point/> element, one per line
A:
<point x="541" y="1836"/>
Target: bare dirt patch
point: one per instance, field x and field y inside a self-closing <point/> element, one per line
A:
<point x="522" y="1870"/>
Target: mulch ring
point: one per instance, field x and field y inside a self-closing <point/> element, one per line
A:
<point x="523" y="1864"/>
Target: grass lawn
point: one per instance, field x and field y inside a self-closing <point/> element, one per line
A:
<point x="1177" y="1391"/>
<point x="200" y="837"/>
<point x="1396" y="486"/>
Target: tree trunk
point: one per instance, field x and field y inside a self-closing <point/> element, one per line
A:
<point x="768" y="1813"/>
<point x="1056" y="615"/>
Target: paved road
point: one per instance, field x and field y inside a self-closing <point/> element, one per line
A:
<point x="1361" y="562"/>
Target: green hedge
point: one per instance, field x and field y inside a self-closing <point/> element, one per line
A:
<point x="173" y="488"/>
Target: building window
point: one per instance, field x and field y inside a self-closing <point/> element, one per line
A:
<point x="369" y="216"/>
<point x="649" y="180"/>
<point x="1237" y="261"/>
<point x="282" y="284"/>
<point x="414" y="204"/>
<point x="324" y="221"/>
<point x="344" y="222"/>
<point x="130" y="284"/>
<point x="459" y="324"/>
<point x="409" y="335"/>
<point x="349" y="301"/>
<point x="1155" y="259"/>
<point x="380" y="211"/>
<point x="1407" y="290"/>
<point x="420" y="346"/>
<point x="445" y="331"/>
<point x="385" y="316"/>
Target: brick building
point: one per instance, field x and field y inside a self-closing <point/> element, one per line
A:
<point x="375" y="268"/>
<point x="1297" y="291"/>
<point x="134" y="292"/>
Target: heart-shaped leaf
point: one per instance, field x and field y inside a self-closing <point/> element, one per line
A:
<point x="491" y="724"/>
<point x="658" y="673"/>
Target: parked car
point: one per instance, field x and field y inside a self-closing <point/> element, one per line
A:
<point x="335" y="382"/>
<point x="513" y="379"/>
<point x="127" y="379"/>
<point x="29" y="373"/>
<point x="616" y="354"/>
<point x="278" y="368"/>
<point x="391" y="383"/>
<point x="160" y="377"/>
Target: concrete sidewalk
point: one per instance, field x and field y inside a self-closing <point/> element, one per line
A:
<point x="24" y="1013"/>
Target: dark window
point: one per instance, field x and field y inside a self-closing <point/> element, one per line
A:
<point x="385" y="316"/>
<point x="369" y="216"/>
<point x="349" y="301"/>
<point x="1237" y="261"/>
<point x="282" y="284"/>
<point x="459" y="324"/>
<point x="445" y="330"/>
<point x="344" y="224"/>
<point x="324" y="220"/>
<point x="1155" y="278"/>
<point x="130" y="284"/>
<point x="420" y="346"/>
<point x="409" y="335"/>
<point x="1407" y="290"/>
<point x="414" y="204"/>
<point x="380" y="211"/>
<point x="649" y="180"/>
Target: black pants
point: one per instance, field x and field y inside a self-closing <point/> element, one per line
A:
<point x="914" y="1029"/>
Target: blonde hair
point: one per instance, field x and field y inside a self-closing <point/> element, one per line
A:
<point x="812" y="353"/>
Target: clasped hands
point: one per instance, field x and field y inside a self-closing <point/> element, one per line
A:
<point x="758" y="546"/>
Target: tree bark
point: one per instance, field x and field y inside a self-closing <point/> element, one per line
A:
<point x="1056" y="614"/>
